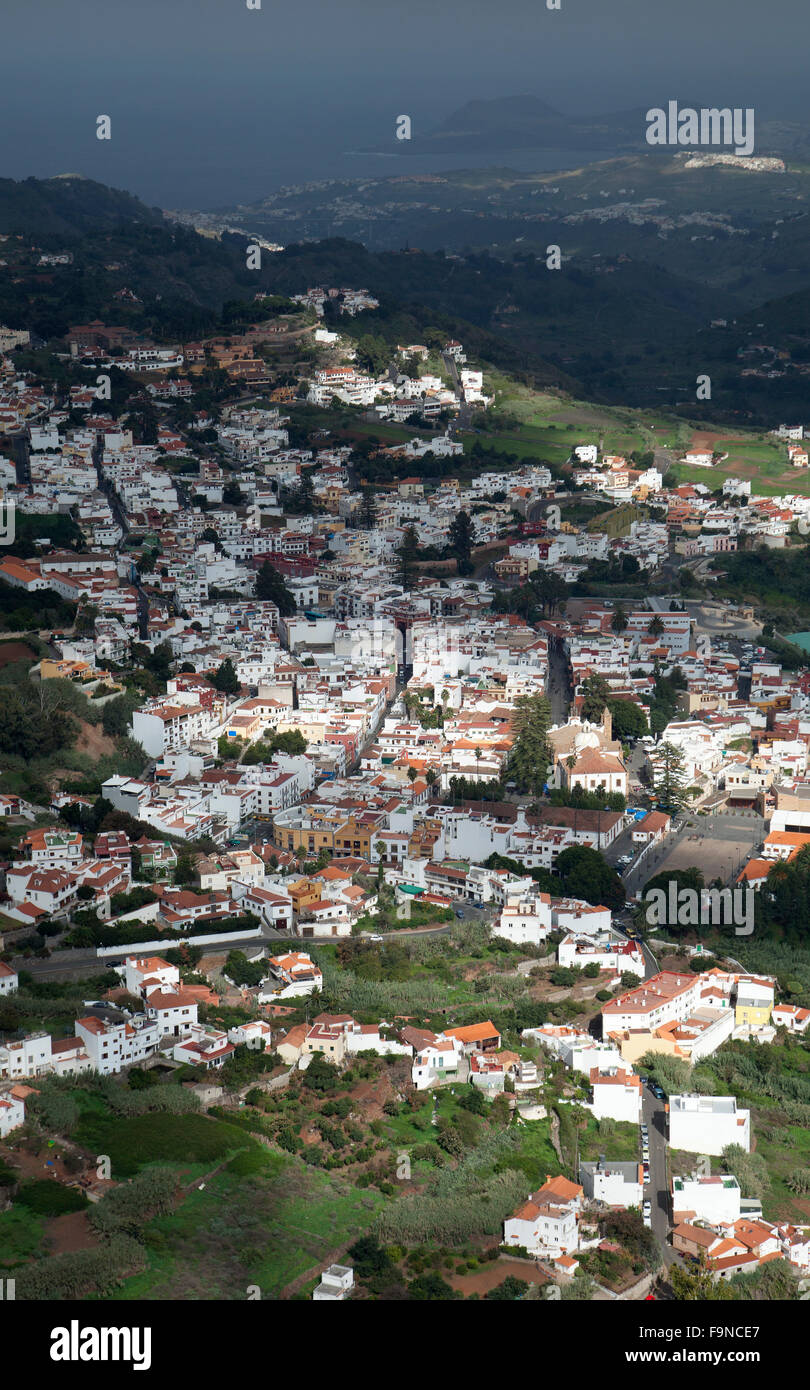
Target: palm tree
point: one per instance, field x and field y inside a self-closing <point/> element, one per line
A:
<point x="619" y="620"/>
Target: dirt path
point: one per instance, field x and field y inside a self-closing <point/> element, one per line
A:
<point x="333" y="1257"/>
<point x="554" y="1136"/>
<point x="482" y="1280"/>
<point x="70" y="1232"/>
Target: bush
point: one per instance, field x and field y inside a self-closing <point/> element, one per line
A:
<point x="510" y="1290"/>
<point x="73" y="1275"/>
<point x="242" y="971"/>
<point x="428" y="1153"/>
<point x="321" y="1075"/>
<point x="127" y="1209"/>
<point x="562" y="975"/>
<point x="46" y="1197"/>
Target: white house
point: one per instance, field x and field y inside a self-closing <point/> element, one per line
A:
<point x="614" y="1183"/>
<point x="336" y="1284"/>
<point x="546" y="1223"/>
<point x="578" y="1050"/>
<point x="708" y="1124"/>
<point x="12" y="1113"/>
<point x="111" y="1046"/>
<point x="31" y="1056"/>
<point x="203" y="1047"/>
<point x="274" y="908"/>
<point x="142" y="974"/>
<point x="436" y="1062"/>
<point x="252" y="1034"/>
<point x="524" y="920"/>
<point x="296" y="974"/>
<point x="715" y="1200"/>
<point x="788" y="1016"/>
<point x="172" y="1010"/>
<point x="9" y="979"/>
<point x="605" y="951"/>
<point x="616" y="1094"/>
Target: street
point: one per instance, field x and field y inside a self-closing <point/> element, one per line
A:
<point x="559" y="689"/>
<point x="656" y="1192"/>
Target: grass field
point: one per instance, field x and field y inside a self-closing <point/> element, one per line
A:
<point x="550" y="422"/>
<point x="263" y="1230"/>
<point x="761" y="461"/>
<point x="134" y="1142"/>
<point x="783" y="1154"/>
<point x="21" y="1234"/>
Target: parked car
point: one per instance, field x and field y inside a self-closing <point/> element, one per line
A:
<point x="459" y="914"/>
<point x="646" y="1210"/>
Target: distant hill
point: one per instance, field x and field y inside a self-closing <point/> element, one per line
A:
<point x="528" y="122"/>
<point x="654" y="288"/>
<point x="68" y="206"/>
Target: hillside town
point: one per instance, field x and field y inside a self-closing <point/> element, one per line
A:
<point x="356" y="704"/>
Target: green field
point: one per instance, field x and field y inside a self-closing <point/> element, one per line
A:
<point x="791" y="1150"/>
<point x="263" y="1230"/>
<point x="21" y="1235"/>
<point x="551" y="425"/>
<point x="134" y="1142"/>
<point x="760" y="461"/>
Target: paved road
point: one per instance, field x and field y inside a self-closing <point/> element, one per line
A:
<point x="656" y="1191"/>
<point x="463" y="420"/>
<point x="559" y="688"/>
<point x="84" y="961"/>
<point x="22" y="463"/>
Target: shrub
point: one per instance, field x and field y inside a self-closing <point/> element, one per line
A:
<point x="46" y="1197"/>
<point x="73" y="1275"/>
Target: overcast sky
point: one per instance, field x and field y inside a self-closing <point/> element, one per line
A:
<point x="211" y="102"/>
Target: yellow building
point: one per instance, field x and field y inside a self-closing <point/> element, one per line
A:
<point x="303" y="893"/>
<point x="353" y="839"/>
<point x="754" y="1003"/>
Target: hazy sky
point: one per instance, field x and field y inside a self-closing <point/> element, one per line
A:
<point x="211" y="102"/>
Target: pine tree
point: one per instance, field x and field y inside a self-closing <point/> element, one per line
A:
<point x="406" y="557"/>
<point x="460" y="541"/>
<point x="225" y="678"/>
<point x="670" y="777"/>
<point x="529" y="758"/>
<point x="270" y="586"/>
<point x="595" y="692"/>
<point x="368" y="508"/>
